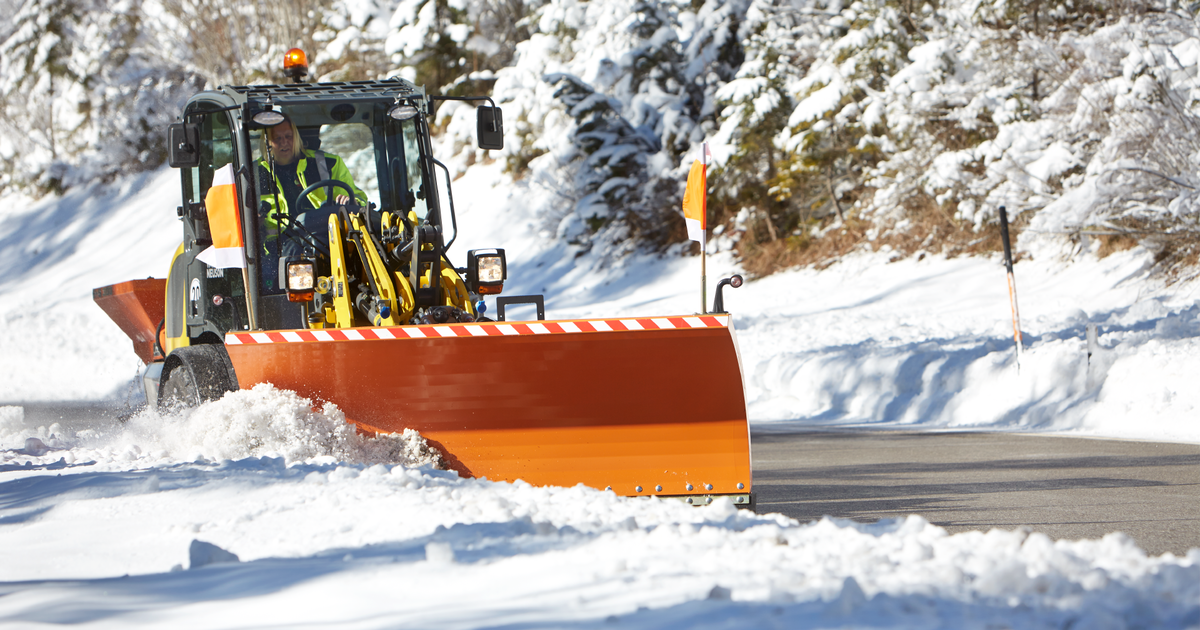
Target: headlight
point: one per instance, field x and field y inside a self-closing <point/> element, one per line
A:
<point x="486" y="271"/>
<point x="491" y="269"/>
<point x="300" y="276"/>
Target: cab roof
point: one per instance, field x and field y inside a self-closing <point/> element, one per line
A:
<point x="339" y="91"/>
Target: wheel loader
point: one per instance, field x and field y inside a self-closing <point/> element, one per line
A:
<point x="361" y="304"/>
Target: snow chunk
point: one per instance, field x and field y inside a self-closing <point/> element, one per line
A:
<point x="202" y="554"/>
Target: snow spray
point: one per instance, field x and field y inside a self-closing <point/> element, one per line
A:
<point x="1012" y="284"/>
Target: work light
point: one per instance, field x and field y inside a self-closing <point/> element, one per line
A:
<point x="486" y="271"/>
<point x="299" y="278"/>
<point x="402" y="112"/>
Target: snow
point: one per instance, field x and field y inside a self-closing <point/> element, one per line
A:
<point x="296" y="541"/>
<point x="530" y="556"/>
<point x="258" y="422"/>
<point x="259" y="510"/>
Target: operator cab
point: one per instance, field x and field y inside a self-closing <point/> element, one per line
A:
<point x="379" y="131"/>
<point x="384" y="160"/>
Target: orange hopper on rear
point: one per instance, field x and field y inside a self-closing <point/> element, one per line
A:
<point x="137" y="307"/>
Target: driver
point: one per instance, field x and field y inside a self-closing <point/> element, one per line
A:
<point x="295" y="168"/>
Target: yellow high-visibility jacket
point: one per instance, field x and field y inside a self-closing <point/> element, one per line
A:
<point x="308" y="170"/>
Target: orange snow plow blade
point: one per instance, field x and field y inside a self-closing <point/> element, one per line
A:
<point x="647" y="406"/>
<point x="137" y="307"/>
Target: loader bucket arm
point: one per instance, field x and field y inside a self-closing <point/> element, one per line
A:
<point x="641" y="406"/>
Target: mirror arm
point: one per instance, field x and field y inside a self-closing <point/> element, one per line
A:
<point x="450" y="196"/>
<point x="491" y="103"/>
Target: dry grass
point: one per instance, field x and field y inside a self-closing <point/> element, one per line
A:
<point x="1113" y="243"/>
<point x="931" y="230"/>
<point x="934" y="230"/>
<point x="1176" y="249"/>
<point x="763" y="259"/>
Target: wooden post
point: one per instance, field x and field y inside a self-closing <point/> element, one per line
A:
<point x="1012" y="284"/>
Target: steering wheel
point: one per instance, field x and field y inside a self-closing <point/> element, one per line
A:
<point x="329" y="182"/>
<point x="305" y="229"/>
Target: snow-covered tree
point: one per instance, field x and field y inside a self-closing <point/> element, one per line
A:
<point x="834" y="123"/>
<point x="441" y="43"/>
<point x="85" y="92"/>
<point x="909" y="124"/>
<point x="631" y="86"/>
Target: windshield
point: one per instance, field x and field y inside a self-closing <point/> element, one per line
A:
<point x="353" y="143"/>
<point x="364" y="149"/>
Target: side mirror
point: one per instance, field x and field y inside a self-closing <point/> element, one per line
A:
<point x="183" y="145"/>
<point x="489" y="125"/>
<point x="486" y="271"/>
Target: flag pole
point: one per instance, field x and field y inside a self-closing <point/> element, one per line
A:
<point x="695" y="212"/>
<point x="703" y="241"/>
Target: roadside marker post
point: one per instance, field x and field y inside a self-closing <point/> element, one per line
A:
<point x="1012" y="284"/>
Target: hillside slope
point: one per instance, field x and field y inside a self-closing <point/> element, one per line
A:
<point x="866" y="342"/>
<point x="920" y="123"/>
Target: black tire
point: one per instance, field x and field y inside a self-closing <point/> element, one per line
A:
<point x="194" y="375"/>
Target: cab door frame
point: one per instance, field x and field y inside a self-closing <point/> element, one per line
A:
<point x="204" y="303"/>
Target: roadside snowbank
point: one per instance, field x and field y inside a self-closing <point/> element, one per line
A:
<point x="929" y="344"/>
<point x="324" y="544"/>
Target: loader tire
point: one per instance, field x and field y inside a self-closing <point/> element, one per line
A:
<point x="194" y="375"/>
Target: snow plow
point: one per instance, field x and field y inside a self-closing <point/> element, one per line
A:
<point x="322" y="266"/>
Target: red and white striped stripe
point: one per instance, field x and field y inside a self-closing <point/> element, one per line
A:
<point x="490" y="329"/>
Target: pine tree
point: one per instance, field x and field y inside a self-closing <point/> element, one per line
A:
<point x="444" y="42"/>
<point x="84" y="94"/>
<point x="645" y="110"/>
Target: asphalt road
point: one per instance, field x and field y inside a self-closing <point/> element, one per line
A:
<point x="1066" y="488"/>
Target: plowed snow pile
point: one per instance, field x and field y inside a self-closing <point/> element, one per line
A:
<point x="399" y="546"/>
<point x="259" y="511"/>
<point x="259" y="422"/>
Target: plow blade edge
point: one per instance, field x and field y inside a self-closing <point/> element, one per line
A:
<point x="648" y="406"/>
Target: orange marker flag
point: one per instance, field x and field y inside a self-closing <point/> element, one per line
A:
<point x="695" y="215"/>
<point x="224" y="222"/>
<point x="695" y="204"/>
